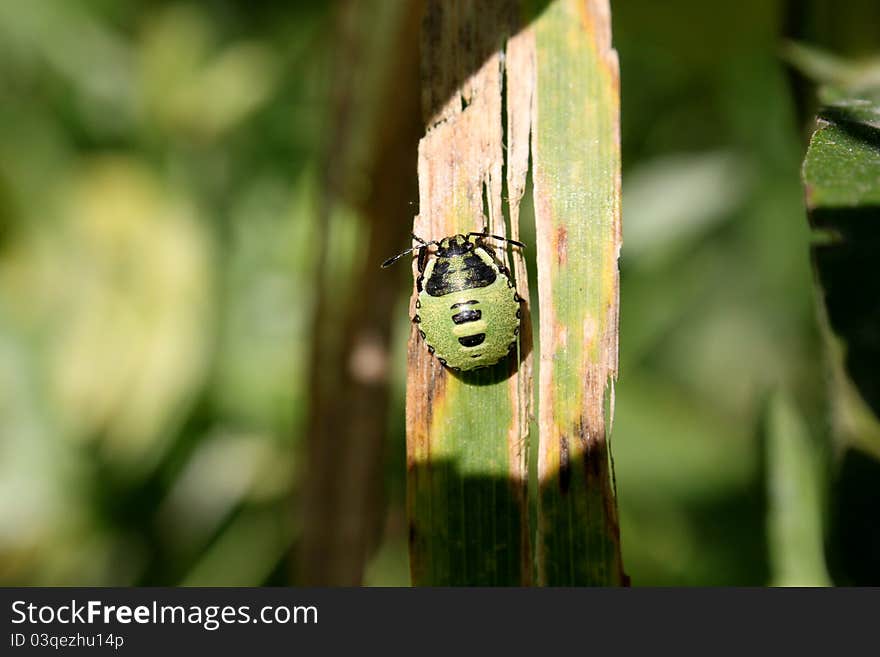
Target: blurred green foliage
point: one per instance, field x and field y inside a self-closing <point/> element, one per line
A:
<point x="158" y="175"/>
<point x="717" y="306"/>
<point x="160" y="169"/>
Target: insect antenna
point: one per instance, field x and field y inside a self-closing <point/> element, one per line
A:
<point x="422" y="244"/>
<point x="397" y="257"/>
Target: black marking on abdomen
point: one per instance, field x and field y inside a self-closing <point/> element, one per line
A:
<point x="467" y="316"/>
<point x="459" y="273"/>
<point x="472" y="340"/>
<point x="463" y="303"/>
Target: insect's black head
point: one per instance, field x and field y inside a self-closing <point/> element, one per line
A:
<point x="455" y="245"/>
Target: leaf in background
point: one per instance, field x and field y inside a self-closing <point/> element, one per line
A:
<point x="842" y="181"/>
<point x="841" y="175"/>
<point x="130" y="286"/>
<point x="84" y="52"/>
<point x="840" y="78"/>
<point x="268" y="273"/>
<point x="247" y="551"/>
<point x="795" y="500"/>
<point x="670" y="201"/>
<point x="690" y="491"/>
<point x="193" y="89"/>
<point x="224" y="471"/>
<point x="36" y="512"/>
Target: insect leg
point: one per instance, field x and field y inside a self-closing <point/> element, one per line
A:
<point x="498" y="237"/>
<point x="423" y="258"/>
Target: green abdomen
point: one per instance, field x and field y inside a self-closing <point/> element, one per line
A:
<point x="471" y="328"/>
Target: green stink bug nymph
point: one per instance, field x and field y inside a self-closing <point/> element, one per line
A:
<point x="467" y="310"/>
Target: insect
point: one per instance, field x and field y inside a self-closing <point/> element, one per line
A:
<point x="468" y="310"/>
